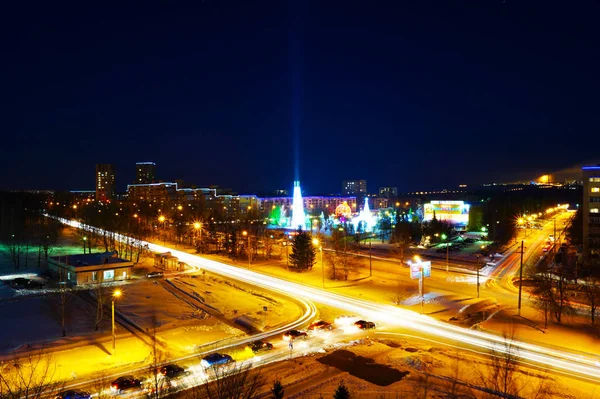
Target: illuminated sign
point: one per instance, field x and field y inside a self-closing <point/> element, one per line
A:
<point x="454" y="211"/>
<point x="415" y="270"/>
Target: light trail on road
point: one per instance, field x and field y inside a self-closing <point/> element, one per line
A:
<point x="551" y="359"/>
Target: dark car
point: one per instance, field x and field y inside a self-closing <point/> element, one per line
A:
<point x="294" y="334"/>
<point x="33" y="284"/>
<point x="155" y="274"/>
<point x="73" y="394"/>
<point x="364" y="325"/>
<point x="216" y="359"/>
<point x="259" y="346"/>
<point x="19" y="282"/>
<point x="126" y="383"/>
<point x="320" y="325"/>
<point x="173" y="371"/>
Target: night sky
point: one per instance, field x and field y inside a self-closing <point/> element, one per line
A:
<point x="413" y="94"/>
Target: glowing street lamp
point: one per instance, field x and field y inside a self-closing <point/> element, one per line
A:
<point x="116" y="295"/>
<point x="316" y="243"/>
<point x="245" y="234"/>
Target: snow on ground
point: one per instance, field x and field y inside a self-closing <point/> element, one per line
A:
<point x="385" y="368"/>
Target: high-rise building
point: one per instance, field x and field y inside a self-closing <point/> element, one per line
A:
<point x="354" y="187"/>
<point x="591" y="215"/>
<point x="388" y="192"/>
<point x="105" y="181"/>
<point x="145" y="172"/>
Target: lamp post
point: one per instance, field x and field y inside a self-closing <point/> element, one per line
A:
<point x="198" y="228"/>
<point x="161" y="219"/>
<point x="521" y="278"/>
<point x="315" y="242"/>
<point x="84" y="241"/>
<point x="245" y="234"/>
<point x="116" y="294"/>
<point x="444" y="236"/>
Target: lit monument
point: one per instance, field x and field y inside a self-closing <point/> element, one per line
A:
<point x="297" y="208"/>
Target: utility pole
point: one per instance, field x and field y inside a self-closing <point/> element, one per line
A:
<point x="322" y="266"/>
<point x="422" y="289"/>
<point x="446" y="259"/>
<point x="521" y="278"/>
<point x="478" y="280"/>
<point x="370" y="262"/>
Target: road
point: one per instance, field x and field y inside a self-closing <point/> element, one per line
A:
<point x="561" y="361"/>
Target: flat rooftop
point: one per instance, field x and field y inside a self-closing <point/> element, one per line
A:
<point x="100" y="258"/>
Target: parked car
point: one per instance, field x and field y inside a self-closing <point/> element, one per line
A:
<point x="216" y="359"/>
<point x="364" y="325"/>
<point x="173" y="371"/>
<point x="73" y="394"/>
<point x="125" y="383"/>
<point x="155" y="274"/>
<point x="320" y="325"/>
<point x="259" y="346"/>
<point x="294" y="334"/>
<point x="33" y="284"/>
<point x="19" y="282"/>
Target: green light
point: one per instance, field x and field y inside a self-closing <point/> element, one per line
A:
<point x="483" y="229"/>
<point x="444" y="236"/>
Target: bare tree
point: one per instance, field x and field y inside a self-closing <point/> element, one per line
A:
<point x="101" y="293"/>
<point x="591" y="290"/>
<point x="341" y="264"/>
<point x="542" y="296"/>
<point x="234" y="381"/>
<point x="29" y="377"/>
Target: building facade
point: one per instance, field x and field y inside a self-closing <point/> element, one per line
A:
<point x="83" y="269"/>
<point x="591" y="215"/>
<point x="388" y="192"/>
<point x="354" y="187"/>
<point x="145" y="172"/>
<point x="105" y="182"/>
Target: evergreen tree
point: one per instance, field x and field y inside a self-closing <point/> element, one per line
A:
<point x="303" y="255"/>
<point x="277" y="390"/>
<point x="341" y="392"/>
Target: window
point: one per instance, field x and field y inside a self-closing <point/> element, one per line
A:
<point x="594" y="210"/>
<point x="595" y="189"/>
<point x="109" y="274"/>
<point x="595" y="179"/>
<point x="94" y="276"/>
<point x="125" y="275"/>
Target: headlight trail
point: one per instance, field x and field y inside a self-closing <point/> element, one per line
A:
<point x="553" y="359"/>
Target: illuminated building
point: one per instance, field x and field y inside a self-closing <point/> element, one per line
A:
<point x="456" y="212"/>
<point x="145" y="172"/>
<point x="388" y="192"/>
<point x="591" y="215"/>
<point x="105" y="182"/>
<point x="354" y="187"/>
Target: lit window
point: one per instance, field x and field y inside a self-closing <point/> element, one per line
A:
<point x="595" y="179"/>
<point x="595" y="189"/>
<point x="109" y="274"/>
<point x="594" y="210"/>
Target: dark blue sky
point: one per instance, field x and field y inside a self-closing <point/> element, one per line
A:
<point x="411" y="94"/>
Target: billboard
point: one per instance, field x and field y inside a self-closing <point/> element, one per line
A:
<point x="456" y="212"/>
<point x="415" y="269"/>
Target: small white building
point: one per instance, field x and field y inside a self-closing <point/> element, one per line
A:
<point x="96" y="268"/>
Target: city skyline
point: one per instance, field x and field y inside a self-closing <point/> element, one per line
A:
<point x="407" y="96"/>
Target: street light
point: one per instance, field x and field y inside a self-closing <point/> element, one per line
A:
<point x="116" y="294"/>
<point x="161" y="219"/>
<point x="444" y="236"/>
<point x="198" y="227"/>
<point x="315" y="242"/>
<point x="245" y="233"/>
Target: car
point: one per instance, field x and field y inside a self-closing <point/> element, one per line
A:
<point x="216" y="359"/>
<point x="259" y="346"/>
<point x="19" y="282"/>
<point x="320" y="325"/>
<point x="469" y="240"/>
<point x="125" y="383"/>
<point x="173" y="371"/>
<point x="155" y="274"/>
<point x="33" y="284"/>
<point x="364" y="325"/>
<point x="73" y="394"/>
<point x="294" y="334"/>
